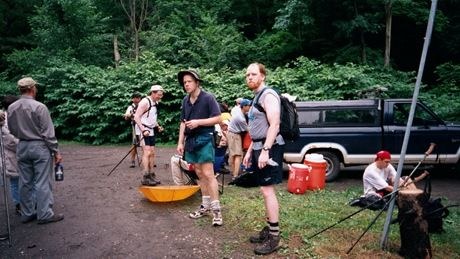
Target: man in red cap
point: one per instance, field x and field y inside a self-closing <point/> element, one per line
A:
<point x="378" y="178"/>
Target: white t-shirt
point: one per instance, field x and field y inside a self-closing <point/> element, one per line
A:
<point x="375" y="179"/>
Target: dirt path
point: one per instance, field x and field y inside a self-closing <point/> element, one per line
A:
<point x="106" y="216"/>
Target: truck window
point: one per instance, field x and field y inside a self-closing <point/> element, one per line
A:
<point x="421" y="117"/>
<point x="338" y="117"/>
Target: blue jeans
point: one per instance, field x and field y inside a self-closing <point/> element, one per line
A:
<point x="14" y="188"/>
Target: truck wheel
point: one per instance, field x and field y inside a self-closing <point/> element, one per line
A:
<point x="333" y="165"/>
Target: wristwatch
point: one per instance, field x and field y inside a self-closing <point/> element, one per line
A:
<point x="266" y="148"/>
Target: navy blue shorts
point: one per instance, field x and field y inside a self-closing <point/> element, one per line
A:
<point x="269" y="175"/>
<point x="149" y="141"/>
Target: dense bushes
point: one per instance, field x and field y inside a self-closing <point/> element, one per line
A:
<point x="87" y="102"/>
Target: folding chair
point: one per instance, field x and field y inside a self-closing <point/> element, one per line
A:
<point x="192" y="178"/>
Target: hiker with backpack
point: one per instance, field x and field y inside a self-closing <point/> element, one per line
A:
<point x="136" y="132"/>
<point x="265" y="153"/>
<point x="146" y="118"/>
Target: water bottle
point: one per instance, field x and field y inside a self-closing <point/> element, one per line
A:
<point x="58" y="172"/>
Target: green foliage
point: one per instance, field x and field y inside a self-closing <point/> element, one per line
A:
<point x="87" y="102"/>
<point x="7" y="88"/>
<point x="440" y="97"/>
<point x="311" y="80"/>
<point x="195" y="36"/>
<point x="65" y="30"/>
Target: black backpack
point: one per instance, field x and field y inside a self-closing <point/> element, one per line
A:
<point x="247" y="179"/>
<point x="433" y="210"/>
<point x="289" y="119"/>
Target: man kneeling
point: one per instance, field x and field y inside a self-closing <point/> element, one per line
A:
<point x="378" y="181"/>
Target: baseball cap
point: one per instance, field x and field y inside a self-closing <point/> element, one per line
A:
<point x="156" y="88"/>
<point x="382" y="154"/>
<point x="245" y="102"/>
<point x="181" y="74"/>
<point x="26" y="83"/>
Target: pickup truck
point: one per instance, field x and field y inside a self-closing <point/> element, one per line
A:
<point x="349" y="133"/>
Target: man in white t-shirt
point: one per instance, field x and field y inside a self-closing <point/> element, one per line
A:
<point x="378" y="178"/>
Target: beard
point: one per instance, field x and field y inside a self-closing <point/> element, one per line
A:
<point x="253" y="85"/>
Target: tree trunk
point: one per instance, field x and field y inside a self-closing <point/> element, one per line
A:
<point x="388" y="21"/>
<point x="362" y="41"/>
<point x="116" y="52"/>
<point x="137" y="12"/>
<point x="413" y="228"/>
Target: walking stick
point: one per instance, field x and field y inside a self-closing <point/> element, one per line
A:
<point x="127" y="154"/>
<point x="3" y="160"/>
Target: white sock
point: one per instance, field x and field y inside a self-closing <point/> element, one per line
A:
<point x="206" y="202"/>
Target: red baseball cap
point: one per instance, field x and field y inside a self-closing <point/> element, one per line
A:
<point x="382" y="154"/>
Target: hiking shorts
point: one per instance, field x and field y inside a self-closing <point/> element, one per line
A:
<point x="235" y="146"/>
<point x="203" y="154"/>
<point x="269" y="175"/>
<point x="149" y="141"/>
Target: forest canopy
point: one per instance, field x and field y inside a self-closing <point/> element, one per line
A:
<point x="90" y="55"/>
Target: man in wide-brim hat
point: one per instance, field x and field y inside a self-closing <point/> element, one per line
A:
<point x="200" y="112"/>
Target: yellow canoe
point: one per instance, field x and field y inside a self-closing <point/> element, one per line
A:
<point x="168" y="193"/>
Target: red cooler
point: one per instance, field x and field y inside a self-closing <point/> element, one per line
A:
<point x="298" y="178"/>
<point x="317" y="171"/>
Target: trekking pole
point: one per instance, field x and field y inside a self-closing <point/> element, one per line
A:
<point x="427" y="153"/>
<point x="372" y="223"/>
<point x="366" y="207"/>
<point x="5" y="192"/>
<point x="131" y="149"/>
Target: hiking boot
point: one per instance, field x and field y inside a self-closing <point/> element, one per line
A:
<point x="148" y="181"/>
<point x="54" y="218"/>
<point x="261" y="236"/>
<point x="201" y="212"/>
<point x="133" y="164"/>
<point x="26" y="219"/>
<point x="217" y="218"/>
<point x="270" y="245"/>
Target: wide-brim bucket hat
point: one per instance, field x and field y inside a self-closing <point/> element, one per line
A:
<point x="181" y="74"/>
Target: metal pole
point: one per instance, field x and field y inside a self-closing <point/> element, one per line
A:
<point x="429" y="29"/>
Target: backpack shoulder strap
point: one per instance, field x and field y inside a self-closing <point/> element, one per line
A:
<point x="256" y="101"/>
<point x="150" y="105"/>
